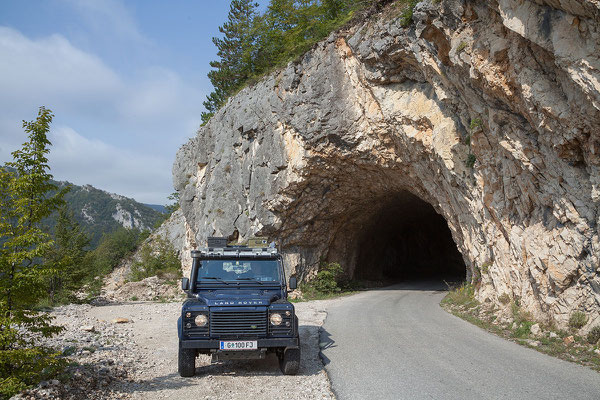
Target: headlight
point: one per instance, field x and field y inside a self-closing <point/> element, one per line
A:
<point x="201" y="320"/>
<point x="276" y="319"/>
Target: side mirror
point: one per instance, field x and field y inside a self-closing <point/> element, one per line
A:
<point x="185" y="284"/>
<point x="293" y="283"/>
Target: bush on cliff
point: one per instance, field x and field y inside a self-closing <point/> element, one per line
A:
<point x="253" y="44"/>
<point x="157" y="259"/>
<point x="325" y="283"/>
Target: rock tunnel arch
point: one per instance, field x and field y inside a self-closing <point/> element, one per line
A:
<point x="380" y="224"/>
<point x="396" y="237"/>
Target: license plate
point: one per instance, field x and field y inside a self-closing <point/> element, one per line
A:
<point x="239" y="345"/>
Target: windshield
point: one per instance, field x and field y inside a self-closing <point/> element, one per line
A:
<point x="238" y="270"/>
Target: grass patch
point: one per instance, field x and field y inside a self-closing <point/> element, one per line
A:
<point x="463" y="296"/>
<point x="330" y="283"/>
<point x="460" y="301"/>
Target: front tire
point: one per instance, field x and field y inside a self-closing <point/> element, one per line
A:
<point x="186" y="361"/>
<point x="289" y="361"/>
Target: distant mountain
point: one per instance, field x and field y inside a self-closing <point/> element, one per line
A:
<point x="157" y="207"/>
<point x="99" y="212"/>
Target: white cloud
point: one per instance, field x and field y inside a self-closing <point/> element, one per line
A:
<point x="50" y="68"/>
<point x="140" y="119"/>
<point x="80" y="160"/>
<point x="109" y="18"/>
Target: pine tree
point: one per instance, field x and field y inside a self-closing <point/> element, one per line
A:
<point x="234" y="66"/>
<point x="24" y="202"/>
<point x="254" y="44"/>
<point x="67" y="257"/>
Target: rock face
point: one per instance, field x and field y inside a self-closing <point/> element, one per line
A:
<point x="483" y="113"/>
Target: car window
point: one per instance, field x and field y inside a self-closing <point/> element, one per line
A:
<point x="231" y="270"/>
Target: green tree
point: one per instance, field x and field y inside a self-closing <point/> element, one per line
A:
<point x="255" y="44"/>
<point x="171" y="208"/>
<point x="234" y="50"/>
<point x="106" y="257"/>
<point x="158" y="258"/>
<point x="25" y="199"/>
<point x="67" y="255"/>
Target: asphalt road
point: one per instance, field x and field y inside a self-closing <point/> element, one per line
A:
<point x="398" y="343"/>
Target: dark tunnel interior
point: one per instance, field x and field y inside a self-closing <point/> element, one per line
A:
<point x="408" y="240"/>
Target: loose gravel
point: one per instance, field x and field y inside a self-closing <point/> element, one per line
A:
<point x="137" y="359"/>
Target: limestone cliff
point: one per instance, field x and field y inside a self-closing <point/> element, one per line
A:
<point x="489" y="111"/>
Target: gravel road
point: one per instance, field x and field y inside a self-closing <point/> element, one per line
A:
<point x="398" y="343"/>
<point x="146" y="347"/>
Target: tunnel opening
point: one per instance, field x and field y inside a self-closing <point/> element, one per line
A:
<point x="407" y="240"/>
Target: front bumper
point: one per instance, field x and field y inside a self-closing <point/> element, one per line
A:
<point x="262" y="343"/>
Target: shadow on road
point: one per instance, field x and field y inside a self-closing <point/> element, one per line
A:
<point x="325" y="342"/>
<point x="420" y="285"/>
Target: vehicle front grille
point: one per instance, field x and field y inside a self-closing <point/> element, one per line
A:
<point x="238" y="323"/>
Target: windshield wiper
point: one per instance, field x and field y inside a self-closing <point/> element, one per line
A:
<point x="249" y="279"/>
<point x="215" y="278"/>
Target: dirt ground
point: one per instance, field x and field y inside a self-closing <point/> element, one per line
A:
<point x="146" y="347"/>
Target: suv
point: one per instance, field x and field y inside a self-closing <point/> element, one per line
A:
<point x="237" y="308"/>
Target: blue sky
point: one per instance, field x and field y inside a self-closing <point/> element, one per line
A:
<point x="125" y="79"/>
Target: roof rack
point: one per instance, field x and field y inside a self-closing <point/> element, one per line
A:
<point x="217" y="246"/>
<point x="235" y="252"/>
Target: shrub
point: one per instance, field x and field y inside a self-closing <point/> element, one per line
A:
<point x="407" y="14"/>
<point x="594" y="335"/>
<point x="325" y="283"/>
<point x="577" y="320"/>
<point x="326" y="280"/>
<point x="159" y="260"/>
<point x="476" y="123"/>
<point x="485" y="267"/>
<point x="113" y="248"/>
<point x="504" y="298"/>
<point x="470" y="162"/>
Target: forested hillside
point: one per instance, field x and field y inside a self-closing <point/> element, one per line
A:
<point x="253" y="44"/>
<point x="99" y="212"/>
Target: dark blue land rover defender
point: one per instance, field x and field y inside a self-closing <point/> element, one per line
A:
<point x="237" y="308"/>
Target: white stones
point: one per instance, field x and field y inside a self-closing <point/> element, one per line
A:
<point x="536" y="330"/>
<point x="87" y="328"/>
